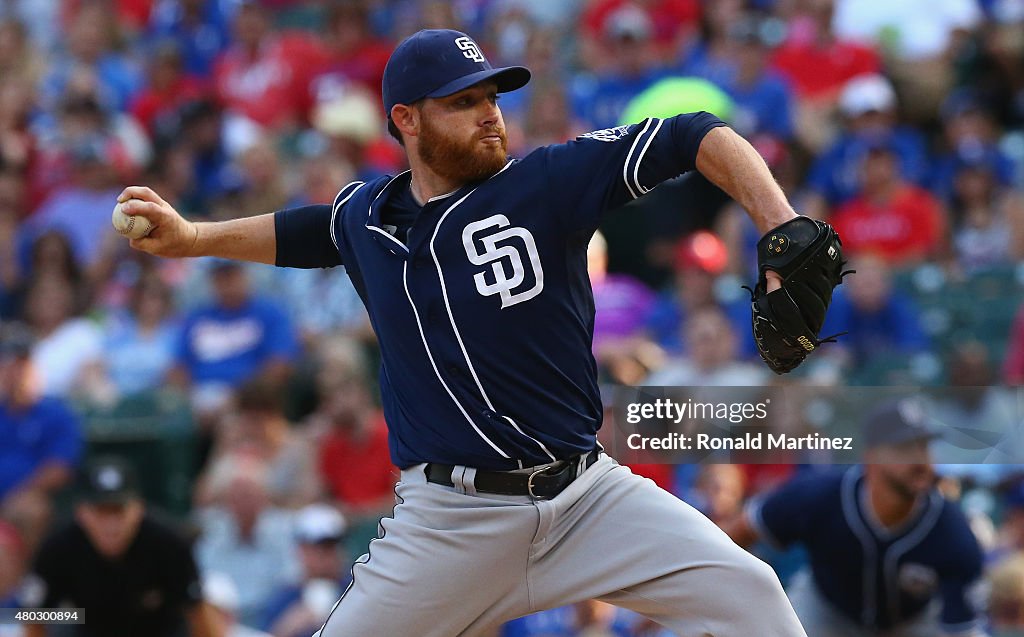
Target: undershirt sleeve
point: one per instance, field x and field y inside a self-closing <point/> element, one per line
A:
<point x="305" y="238"/>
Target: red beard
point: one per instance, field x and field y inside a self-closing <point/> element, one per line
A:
<point x="462" y="161"/>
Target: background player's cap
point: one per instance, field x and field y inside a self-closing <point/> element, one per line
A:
<point x="439" y="62"/>
<point x="318" y="523"/>
<point x="109" y="480"/>
<point x="897" y="422"/>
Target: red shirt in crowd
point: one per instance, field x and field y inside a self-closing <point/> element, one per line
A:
<point x="761" y="478"/>
<point x="131" y="13"/>
<point x="358" y="471"/>
<point x="820" y="70"/>
<point x="662" y="474"/>
<point x="268" y="88"/>
<point x="363" y="65"/>
<point x="152" y="103"/>
<point x="905" y="228"/>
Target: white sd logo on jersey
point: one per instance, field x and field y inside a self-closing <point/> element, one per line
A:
<point x="470" y="49"/>
<point x="502" y="258"/>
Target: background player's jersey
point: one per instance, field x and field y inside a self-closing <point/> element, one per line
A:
<point x="877" y="577"/>
<point x="485" y="315"/>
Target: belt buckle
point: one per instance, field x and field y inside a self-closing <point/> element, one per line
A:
<point x="529" y="483"/>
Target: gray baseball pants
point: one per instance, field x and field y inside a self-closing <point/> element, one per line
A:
<point x="455" y="562"/>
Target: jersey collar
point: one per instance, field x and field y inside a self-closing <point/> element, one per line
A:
<point x="373" y="221"/>
<point x="923" y="508"/>
<point x="402" y="180"/>
<point x="444" y="196"/>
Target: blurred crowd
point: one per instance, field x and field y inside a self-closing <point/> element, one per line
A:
<point x="902" y="123"/>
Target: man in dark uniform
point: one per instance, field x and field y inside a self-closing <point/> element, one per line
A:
<point x="889" y="556"/>
<point x="132" y="574"/>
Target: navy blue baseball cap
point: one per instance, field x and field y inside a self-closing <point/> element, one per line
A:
<point x="899" y="422"/>
<point x="440" y="62"/>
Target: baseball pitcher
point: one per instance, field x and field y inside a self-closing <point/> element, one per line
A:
<point x="472" y="266"/>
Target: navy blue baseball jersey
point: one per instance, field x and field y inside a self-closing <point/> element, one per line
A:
<point x="877" y="577"/>
<point x="482" y="306"/>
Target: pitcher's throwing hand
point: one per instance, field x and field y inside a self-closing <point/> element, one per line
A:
<point x="171" y="236"/>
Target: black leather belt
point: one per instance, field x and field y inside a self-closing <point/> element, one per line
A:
<point x="543" y="484"/>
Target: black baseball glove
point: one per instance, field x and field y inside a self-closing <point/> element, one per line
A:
<point x="807" y="254"/>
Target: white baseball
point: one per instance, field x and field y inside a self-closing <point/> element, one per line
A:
<point x="131" y="226"/>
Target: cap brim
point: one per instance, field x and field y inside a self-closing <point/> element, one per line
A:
<point x="508" y="78"/>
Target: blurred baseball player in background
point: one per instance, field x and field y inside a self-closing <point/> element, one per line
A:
<point x="472" y="266"/>
<point x="889" y="556"/>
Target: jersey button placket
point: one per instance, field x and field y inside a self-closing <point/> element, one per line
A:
<point x="389" y="246"/>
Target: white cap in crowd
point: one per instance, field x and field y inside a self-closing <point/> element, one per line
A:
<point x="319" y="523"/>
<point x="867" y="93"/>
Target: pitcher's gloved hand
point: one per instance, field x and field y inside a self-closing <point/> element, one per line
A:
<point x="807" y="255"/>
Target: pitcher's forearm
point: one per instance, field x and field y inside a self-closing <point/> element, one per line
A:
<point x="246" y="239"/>
<point x="732" y="164"/>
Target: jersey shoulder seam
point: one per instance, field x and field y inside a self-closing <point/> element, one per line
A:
<point x="342" y="197"/>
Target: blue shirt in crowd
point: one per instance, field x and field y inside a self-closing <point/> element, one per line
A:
<point x="229" y="346"/>
<point x="946" y="168"/>
<point x="45" y="432"/>
<point x="599" y="101"/>
<point x="765" y="106"/>
<point x="894" y="328"/>
<point x="285" y="597"/>
<point x="118" y="79"/>
<point x="836" y="174"/>
<point x="561" y="622"/>
<point x="665" y="321"/>
<point x="138" y="362"/>
<point x="200" y="42"/>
